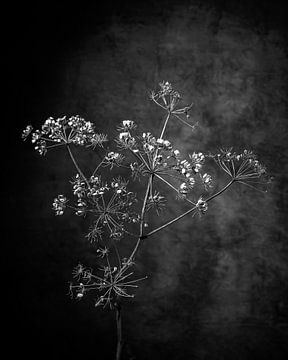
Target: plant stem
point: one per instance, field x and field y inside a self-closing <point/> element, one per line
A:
<point x="165" y="124"/>
<point x="190" y="210"/>
<point x="141" y="220"/>
<point x="161" y="136"/>
<point x="167" y="182"/>
<point x="171" y="222"/>
<point x="149" y="187"/>
<point x="77" y="166"/>
<point x="221" y="191"/>
<point x="119" y="331"/>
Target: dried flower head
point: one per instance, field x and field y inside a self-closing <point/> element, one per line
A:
<point x="59" y="204"/>
<point x="201" y="206"/>
<point x="64" y="131"/>
<point x="243" y="168"/>
<point x="111" y="283"/>
<point x="157" y="202"/>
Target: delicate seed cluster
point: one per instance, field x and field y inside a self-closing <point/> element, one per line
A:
<point x="157" y="202"/>
<point x="59" y="204"/>
<point x="113" y="159"/>
<point x="157" y="156"/>
<point x="202" y="206"/>
<point x="27" y="131"/>
<point x="111" y="204"/>
<point x="168" y="98"/>
<point x="126" y="140"/>
<point x="243" y="168"/>
<point x="207" y="180"/>
<point x="127" y="125"/>
<point x="63" y="131"/>
<point x="111" y="282"/>
<point x="168" y="95"/>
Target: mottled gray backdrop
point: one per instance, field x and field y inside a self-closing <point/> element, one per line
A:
<point x="217" y="286"/>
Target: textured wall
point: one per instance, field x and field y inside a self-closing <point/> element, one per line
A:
<point x="217" y="286"/>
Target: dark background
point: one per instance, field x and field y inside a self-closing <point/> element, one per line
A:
<point x="217" y="286"/>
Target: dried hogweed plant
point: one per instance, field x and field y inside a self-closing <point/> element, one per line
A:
<point x="116" y="212"/>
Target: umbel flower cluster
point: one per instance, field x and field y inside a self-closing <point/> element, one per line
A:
<point x="63" y="131"/>
<point x="115" y="211"/>
<point x="110" y="205"/>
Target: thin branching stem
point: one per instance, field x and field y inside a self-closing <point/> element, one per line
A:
<point x="53" y="146"/>
<point x="157" y="103"/>
<point x="148" y="190"/>
<point x="171" y="222"/>
<point x="220" y="191"/>
<point x="183" y="121"/>
<point x="77" y="166"/>
<point x="188" y="211"/>
<point x="97" y="167"/>
<point x="172" y="187"/>
<point x="165" y="124"/>
<point x="140" y="158"/>
<point x="119" y="331"/>
<point x="141" y="220"/>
